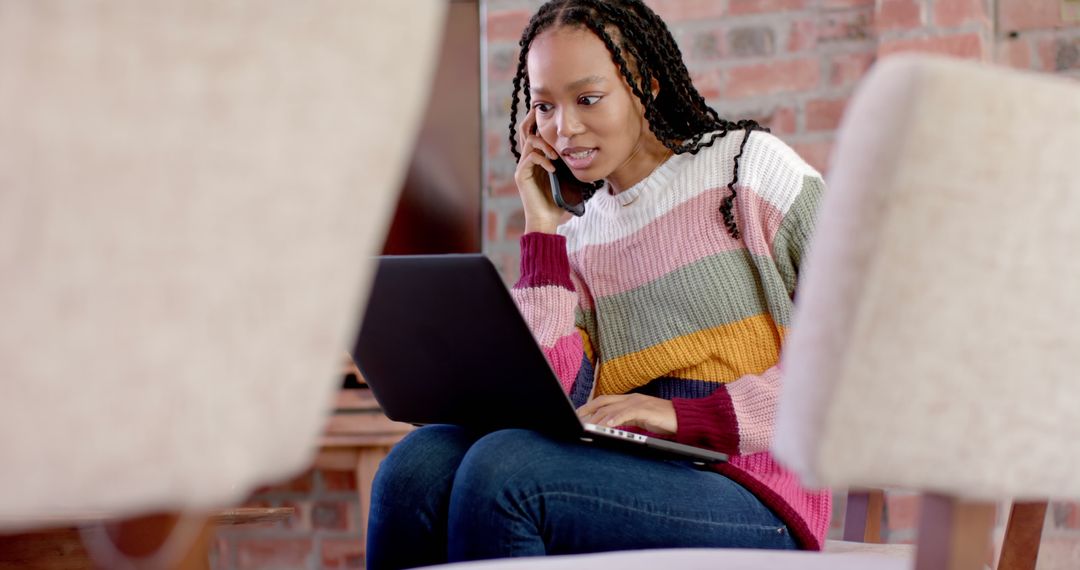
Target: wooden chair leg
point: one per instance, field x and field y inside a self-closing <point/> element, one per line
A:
<point x="953" y="534"/>
<point x="1020" y="548"/>
<point x="862" y="517"/>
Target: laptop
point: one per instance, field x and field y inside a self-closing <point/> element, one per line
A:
<point x="442" y="342"/>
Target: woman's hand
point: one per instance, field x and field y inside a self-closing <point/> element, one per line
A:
<point x="653" y="414"/>
<point x="531" y="177"/>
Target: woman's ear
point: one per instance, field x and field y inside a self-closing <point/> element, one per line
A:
<point x="654" y="87"/>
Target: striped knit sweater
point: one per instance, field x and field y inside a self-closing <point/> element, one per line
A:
<point x="647" y="292"/>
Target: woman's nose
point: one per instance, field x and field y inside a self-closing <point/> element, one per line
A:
<point x="568" y="124"/>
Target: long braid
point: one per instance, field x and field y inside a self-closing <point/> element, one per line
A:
<point x="679" y="116"/>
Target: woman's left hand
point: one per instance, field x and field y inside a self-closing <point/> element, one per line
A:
<point x="653" y="414"/>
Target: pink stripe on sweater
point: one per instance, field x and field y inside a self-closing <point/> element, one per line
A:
<point x="565" y="358"/>
<point x="678" y="233"/>
<point x="548" y="310"/>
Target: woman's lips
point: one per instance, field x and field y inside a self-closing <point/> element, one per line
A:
<point x="579" y="158"/>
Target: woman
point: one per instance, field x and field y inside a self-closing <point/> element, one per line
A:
<point x="663" y="309"/>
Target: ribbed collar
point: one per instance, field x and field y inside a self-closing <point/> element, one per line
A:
<point x="656" y="180"/>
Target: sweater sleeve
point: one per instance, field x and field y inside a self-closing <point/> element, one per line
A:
<point x="737" y="419"/>
<point x="547" y="298"/>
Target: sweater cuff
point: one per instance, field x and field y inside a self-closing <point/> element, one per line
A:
<point x="544" y="261"/>
<point x="708" y="422"/>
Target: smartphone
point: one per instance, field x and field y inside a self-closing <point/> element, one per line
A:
<point x="567" y="191"/>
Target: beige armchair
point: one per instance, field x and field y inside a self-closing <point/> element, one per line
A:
<point x="937" y="333"/>
<point x="190" y="194"/>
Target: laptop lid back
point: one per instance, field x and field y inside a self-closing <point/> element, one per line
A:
<point x="442" y="341"/>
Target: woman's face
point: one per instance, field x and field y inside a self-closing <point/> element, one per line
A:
<point x="585" y="110"/>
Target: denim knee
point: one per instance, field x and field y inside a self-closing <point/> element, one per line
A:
<point x="423" y="457"/>
<point x="492" y="465"/>
<point x="491" y="512"/>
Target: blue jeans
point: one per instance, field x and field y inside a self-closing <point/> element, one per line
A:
<point x="445" y="494"/>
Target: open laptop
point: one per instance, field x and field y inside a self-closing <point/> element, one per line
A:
<point x="442" y="342"/>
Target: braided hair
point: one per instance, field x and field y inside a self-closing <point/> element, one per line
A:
<point x="678" y="117"/>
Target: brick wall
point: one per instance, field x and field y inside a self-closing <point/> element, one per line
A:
<point x="324" y="532"/>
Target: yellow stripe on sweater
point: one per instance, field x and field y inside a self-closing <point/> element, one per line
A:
<point x="720" y="354"/>
<point x="586" y="344"/>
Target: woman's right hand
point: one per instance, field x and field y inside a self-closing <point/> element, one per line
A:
<point x="531" y="177"/>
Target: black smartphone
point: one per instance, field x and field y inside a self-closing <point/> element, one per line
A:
<point x="567" y="191"/>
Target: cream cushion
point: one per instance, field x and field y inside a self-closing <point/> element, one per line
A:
<point x="936" y="337"/>
<point x="191" y="193"/>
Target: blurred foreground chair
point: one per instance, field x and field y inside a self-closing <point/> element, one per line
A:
<point x="936" y="339"/>
<point x="190" y="194"/>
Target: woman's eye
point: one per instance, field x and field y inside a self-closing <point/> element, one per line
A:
<point x="589" y="99"/>
<point x="542" y="107"/>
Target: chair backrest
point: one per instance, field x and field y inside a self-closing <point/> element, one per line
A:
<point x="936" y="339"/>
<point x="190" y="195"/>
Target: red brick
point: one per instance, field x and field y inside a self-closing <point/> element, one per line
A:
<point x="1059" y="54"/>
<point x="955" y="13"/>
<point x="708" y="83"/>
<point x="846" y="3"/>
<point x="740" y="7"/>
<point x="220" y="553"/>
<point x="782" y="121"/>
<point x="515" y="226"/>
<point x="815" y="153"/>
<point x="685" y="10"/>
<point x="502" y="62"/>
<point x="257" y="503"/>
<point x="491" y="226"/>
<point x="302" y="483"/>
<point x="751" y="41"/>
<point x="508" y="265"/>
<point x="706" y="45"/>
<point x="507" y="25"/>
<point x="802" y="35"/>
<point x="330" y="515"/>
<point x="901" y="511"/>
<point x="342" y="553"/>
<point x="847" y="69"/>
<point x="497" y="142"/>
<point x="300" y="519"/>
<point x="501" y="177"/>
<point x="1020" y="15"/>
<point x="767" y="78"/>
<point x="967" y="46"/>
<point x="338" y="480"/>
<point x="1014" y="53"/>
<point x="845" y="26"/>
<point x="505" y="188"/>
<point x="1072" y="521"/>
<point x="824" y="114"/>
<point x="273" y="553"/>
<point x="898" y="15"/>
<point x="779" y="120"/>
